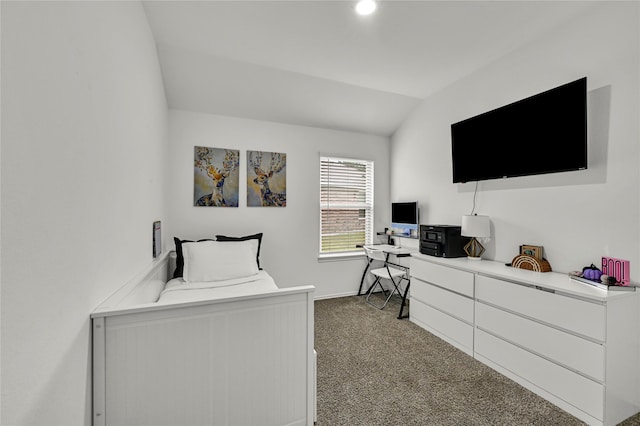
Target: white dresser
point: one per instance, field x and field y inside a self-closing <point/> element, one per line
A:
<point x="575" y="345"/>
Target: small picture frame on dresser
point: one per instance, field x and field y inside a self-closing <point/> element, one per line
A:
<point x="535" y="251"/>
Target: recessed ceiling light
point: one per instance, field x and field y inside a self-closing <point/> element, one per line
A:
<point x="366" y="7"/>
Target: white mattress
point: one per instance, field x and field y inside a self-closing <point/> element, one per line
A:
<point x="178" y="291"/>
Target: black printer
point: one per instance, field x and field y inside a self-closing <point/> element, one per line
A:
<point x="442" y="241"/>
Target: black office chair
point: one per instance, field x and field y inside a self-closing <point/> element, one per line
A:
<point x="383" y="271"/>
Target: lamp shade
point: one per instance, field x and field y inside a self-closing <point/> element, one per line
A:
<point x="476" y="226"/>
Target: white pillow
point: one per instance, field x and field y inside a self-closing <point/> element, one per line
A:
<point x="206" y="261"/>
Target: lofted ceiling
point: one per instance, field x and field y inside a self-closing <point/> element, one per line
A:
<point x="317" y="63"/>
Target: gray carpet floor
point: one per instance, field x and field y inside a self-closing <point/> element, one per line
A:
<point x="374" y="369"/>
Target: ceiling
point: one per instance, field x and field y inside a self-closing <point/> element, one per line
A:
<point x="316" y="63"/>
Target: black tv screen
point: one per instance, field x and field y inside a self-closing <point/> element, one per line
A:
<point x="405" y="213"/>
<point x="544" y="133"/>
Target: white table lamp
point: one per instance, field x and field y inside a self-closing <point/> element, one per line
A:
<point x="475" y="226"/>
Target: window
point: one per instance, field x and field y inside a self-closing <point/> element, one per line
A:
<point x="346" y="204"/>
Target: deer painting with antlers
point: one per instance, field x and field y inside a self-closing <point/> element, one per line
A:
<point x="213" y="167"/>
<point x="269" y="182"/>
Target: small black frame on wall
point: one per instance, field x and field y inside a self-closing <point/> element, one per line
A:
<point x="157" y="239"/>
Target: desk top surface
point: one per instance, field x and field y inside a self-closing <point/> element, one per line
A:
<point x="387" y="248"/>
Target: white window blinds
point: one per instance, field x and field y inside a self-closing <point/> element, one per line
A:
<point x="346" y="204"/>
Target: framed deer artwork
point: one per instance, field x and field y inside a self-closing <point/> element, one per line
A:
<point x="216" y="178"/>
<point x="266" y="179"/>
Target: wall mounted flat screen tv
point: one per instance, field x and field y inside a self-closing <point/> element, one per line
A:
<point x="405" y="217"/>
<point x="544" y="133"/>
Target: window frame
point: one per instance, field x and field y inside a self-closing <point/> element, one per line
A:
<point x="366" y="184"/>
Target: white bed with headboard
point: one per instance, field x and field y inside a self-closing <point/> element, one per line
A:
<point x="221" y="345"/>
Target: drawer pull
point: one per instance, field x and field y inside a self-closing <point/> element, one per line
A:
<point x="548" y="290"/>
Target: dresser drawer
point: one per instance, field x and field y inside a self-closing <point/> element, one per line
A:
<point x="582" y="317"/>
<point x="450" y="278"/>
<point x="451" y="303"/>
<point x="448" y="328"/>
<point x="579" y="391"/>
<point x="567" y="349"/>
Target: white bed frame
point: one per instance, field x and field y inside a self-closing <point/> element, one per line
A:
<point x="236" y="361"/>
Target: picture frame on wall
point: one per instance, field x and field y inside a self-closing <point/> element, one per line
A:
<point x="535" y="251"/>
<point x="157" y="239"/>
<point x="216" y="177"/>
<point x="266" y="179"/>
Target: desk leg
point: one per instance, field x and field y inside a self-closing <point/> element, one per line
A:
<point x="364" y="274"/>
<point x="404" y="300"/>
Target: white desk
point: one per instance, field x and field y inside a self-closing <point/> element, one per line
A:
<point x="395" y="250"/>
<point x="399" y="252"/>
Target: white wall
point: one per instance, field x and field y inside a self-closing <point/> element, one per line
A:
<point x="84" y="144"/>
<point x="290" y="242"/>
<point x="577" y="216"/>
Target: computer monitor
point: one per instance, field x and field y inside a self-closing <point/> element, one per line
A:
<point x="405" y="218"/>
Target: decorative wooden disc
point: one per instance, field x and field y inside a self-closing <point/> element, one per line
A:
<point x="525" y="261"/>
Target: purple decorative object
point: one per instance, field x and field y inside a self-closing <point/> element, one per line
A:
<point x="591" y="273"/>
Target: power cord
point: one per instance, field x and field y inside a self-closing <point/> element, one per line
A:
<point x="475" y="194"/>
